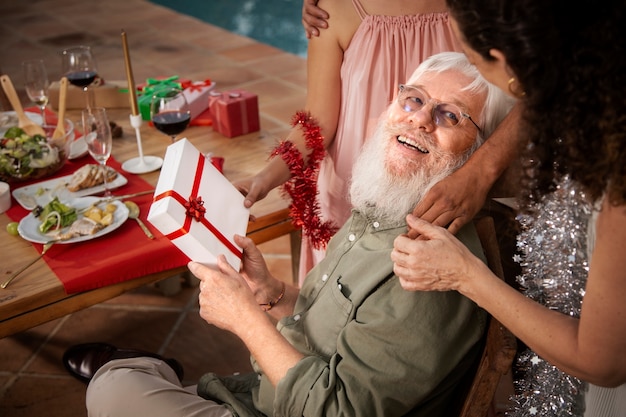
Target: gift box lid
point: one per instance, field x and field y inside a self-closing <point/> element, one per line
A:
<point x="198" y="208"/>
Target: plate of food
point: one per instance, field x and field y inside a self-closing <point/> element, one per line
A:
<point x="77" y="220"/>
<point x="85" y="181"/>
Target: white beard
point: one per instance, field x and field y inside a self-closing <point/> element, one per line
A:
<point x="379" y="194"/>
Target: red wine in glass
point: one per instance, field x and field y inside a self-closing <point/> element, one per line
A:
<point x="169" y="111"/>
<point x="81" y="79"/>
<point x="171" y="122"/>
<point x="79" y="66"/>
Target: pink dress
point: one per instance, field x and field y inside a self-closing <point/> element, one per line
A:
<point x="384" y="52"/>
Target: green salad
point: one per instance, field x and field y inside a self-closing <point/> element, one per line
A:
<point x="23" y="156"/>
<point x="55" y="215"/>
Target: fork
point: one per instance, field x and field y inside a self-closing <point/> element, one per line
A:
<point x="46" y="246"/>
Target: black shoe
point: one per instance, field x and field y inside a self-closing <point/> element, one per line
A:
<point x="82" y="361"/>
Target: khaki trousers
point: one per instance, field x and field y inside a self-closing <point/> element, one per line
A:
<point x="145" y="387"/>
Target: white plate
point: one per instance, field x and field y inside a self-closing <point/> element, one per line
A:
<point x="78" y="148"/>
<point x="41" y="193"/>
<point x="28" y="227"/>
<point x="9" y="119"/>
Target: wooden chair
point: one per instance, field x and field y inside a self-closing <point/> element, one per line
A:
<point x="275" y="225"/>
<point x="500" y="344"/>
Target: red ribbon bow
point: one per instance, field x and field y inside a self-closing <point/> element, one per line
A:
<point x="198" y="86"/>
<point x="195" y="208"/>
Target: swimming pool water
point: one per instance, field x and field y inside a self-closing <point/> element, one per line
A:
<point x="274" y="22"/>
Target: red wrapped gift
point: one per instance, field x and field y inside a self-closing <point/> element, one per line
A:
<point x="234" y="112"/>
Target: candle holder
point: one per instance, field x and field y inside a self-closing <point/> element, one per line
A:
<point x="141" y="164"/>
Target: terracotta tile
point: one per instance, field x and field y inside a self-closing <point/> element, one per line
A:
<point x="203" y="348"/>
<point x="217" y="39"/>
<point x="251" y="52"/>
<point x="229" y="77"/>
<point x="17" y="350"/>
<point x="273" y="90"/>
<point x="50" y="397"/>
<point x="137" y="327"/>
<point x="281" y="64"/>
<point x="151" y="296"/>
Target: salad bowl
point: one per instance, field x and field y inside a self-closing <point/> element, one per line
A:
<point x="24" y="157"/>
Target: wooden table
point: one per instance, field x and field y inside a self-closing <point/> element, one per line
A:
<point x="38" y="296"/>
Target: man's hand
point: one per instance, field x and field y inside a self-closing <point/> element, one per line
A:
<point x="313" y="18"/>
<point x="253" y="267"/>
<point x="224" y="296"/>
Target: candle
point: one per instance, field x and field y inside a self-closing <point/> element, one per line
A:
<point x="129" y="76"/>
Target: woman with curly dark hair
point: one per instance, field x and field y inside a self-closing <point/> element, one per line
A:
<point x="566" y="64"/>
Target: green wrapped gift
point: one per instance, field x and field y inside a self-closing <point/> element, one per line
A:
<point x="154" y="86"/>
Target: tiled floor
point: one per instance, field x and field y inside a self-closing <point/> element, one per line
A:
<point x="33" y="381"/>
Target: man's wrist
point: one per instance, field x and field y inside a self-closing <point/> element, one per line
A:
<point x="273" y="301"/>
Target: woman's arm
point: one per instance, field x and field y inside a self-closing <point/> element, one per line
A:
<point x="590" y="348"/>
<point x="324" y="59"/>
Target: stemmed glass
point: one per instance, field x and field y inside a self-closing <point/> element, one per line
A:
<point x="79" y="66"/>
<point x="97" y="133"/>
<point x="36" y="84"/>
<point x="169" y="111"/>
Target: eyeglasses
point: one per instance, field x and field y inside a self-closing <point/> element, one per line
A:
<point x="412" y="99"/>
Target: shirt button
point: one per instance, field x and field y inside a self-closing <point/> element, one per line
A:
<point x="296" y="317"/>
<point x="376" y="225"/>
<point x="352" y="237"/>
<point x="324" y="277"/>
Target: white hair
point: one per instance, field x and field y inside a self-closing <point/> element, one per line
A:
<point x="497" y="104"/>
<point x="381" y="194"/>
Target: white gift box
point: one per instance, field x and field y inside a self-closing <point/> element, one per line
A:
<point x="197" y="208"/>
<point x="197" y="95"/>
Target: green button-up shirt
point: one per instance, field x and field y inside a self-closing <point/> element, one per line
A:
<point x="372" y="348"/>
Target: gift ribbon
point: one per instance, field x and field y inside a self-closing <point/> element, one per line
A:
<point x="154" y="87"/>
<point x="243" y="104"/>
<point x="193" y="211"/>
<point x="199" y="85"/>
<point x="152" y="82"/>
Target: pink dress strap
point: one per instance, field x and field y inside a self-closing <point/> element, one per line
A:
<point x="359" y="9"/>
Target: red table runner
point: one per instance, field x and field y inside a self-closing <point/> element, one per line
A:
<point x="124" y="254"/>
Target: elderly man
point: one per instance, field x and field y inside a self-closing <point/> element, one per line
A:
<point x="351" y="341"/>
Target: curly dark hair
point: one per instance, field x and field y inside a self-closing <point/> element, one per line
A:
<point x="570" y="59"/>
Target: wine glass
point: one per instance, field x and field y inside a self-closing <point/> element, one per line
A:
<point x="97" y="133"/>
<point x="79" y="66"/>
<point x="36" y="84"/>
<point x="169" y="111"/>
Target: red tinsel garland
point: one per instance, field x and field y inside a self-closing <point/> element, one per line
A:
<point x="302" y="187"/>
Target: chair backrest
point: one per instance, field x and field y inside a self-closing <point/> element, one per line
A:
<point x="500" y="344"/>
